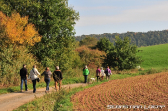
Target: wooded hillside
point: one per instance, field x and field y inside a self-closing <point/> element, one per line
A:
<point x="137" y="38"/>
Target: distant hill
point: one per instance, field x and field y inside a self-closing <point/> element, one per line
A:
<point x="138" y="38"/>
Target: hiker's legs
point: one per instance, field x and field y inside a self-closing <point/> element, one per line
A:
<point x="21" y="87"/>
<point x="60" y="83"/>
<point x="107" y="76"/>
<point x="85" y="77"/>
<point x="97" y="78"/>
<point x="102" y="77"/>
<point x="47" y="80"/>
<point x="25" y="80"/>
<point x="56" y="85"/>
<point x="34" y="85"/>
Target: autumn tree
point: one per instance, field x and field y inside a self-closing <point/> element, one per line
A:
<point x="15" y="35"/>
<point x="55" y="21"/>
<point x="18" y="30"/>
<point x="49" y="16"/>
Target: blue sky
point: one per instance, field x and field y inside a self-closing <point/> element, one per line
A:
<point x="120" y="16"/>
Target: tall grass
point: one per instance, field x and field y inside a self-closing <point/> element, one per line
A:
<point x="12" y="60"/>
<point x="154" y="57"/>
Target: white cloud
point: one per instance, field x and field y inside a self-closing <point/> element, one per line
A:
<point x="157" y="12"/>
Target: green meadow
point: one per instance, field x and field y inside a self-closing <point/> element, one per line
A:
<point x="155" y="57"/>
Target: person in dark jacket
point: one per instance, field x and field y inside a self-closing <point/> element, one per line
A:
<point x="47" y="74"/>
<point x="57" y="76"/>
<point x="23" y="75"/>
<point x="107" y="72"/>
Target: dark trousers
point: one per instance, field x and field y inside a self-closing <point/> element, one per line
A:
<point x="47" y="80"/>
<point x="25" y="81"/>
<point x="85" y="78"/>
<point x="107" y="76"/>
<point x="98" y="78"/>
<point x="34" y="85"/>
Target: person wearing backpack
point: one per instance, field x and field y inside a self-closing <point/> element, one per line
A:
<point x="108" y="73"/>
<point x="57" y="76"/>
<point x="23" y="75"/>
<point x="85" y="73"/>
<point x="47" y="74"/>
<point x="98" y="73"/>
<point x="34" y="76"/>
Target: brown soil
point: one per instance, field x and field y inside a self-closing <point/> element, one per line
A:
<point x="11" y="101"/>
<point x="140" y="90"/>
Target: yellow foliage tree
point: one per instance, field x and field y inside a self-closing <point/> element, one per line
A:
<point x="18" y="30"/>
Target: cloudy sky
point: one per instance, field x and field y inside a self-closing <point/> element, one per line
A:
<point x="111" y="16"/>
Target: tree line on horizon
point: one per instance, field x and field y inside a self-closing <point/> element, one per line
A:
<point x="137" y="38"/>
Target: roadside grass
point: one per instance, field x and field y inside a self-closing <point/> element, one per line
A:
<point x="61" y="101"/>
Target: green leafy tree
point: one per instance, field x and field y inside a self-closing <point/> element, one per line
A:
<point x="123" y="56"/>
<point x="57" y="51"/>
<point x="55" y="22"/>
<point x="104" y="44"/>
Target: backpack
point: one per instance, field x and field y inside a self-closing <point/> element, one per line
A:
<point x="106" y="71"/>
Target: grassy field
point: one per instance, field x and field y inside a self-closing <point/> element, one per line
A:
<point x="154" y="56"/>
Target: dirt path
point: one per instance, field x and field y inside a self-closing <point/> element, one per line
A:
<point x="11" y="101"/>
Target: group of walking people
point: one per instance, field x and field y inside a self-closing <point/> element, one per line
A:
<point x="34" y="76"/>
<point x="100" y="73"/>
<point x="57" y="76"/>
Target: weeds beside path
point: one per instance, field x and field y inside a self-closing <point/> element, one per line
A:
<point x="11" y="101"/>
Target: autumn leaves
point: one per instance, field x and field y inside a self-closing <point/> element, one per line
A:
<point x="18" y="30"/>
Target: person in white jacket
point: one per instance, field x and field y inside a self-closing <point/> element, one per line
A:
<point x="33" y="76"/>
<point x="102" y="73"/>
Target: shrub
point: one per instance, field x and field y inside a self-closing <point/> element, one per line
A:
<point x="12" y="59"/>
<point x="91" y="56"/>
